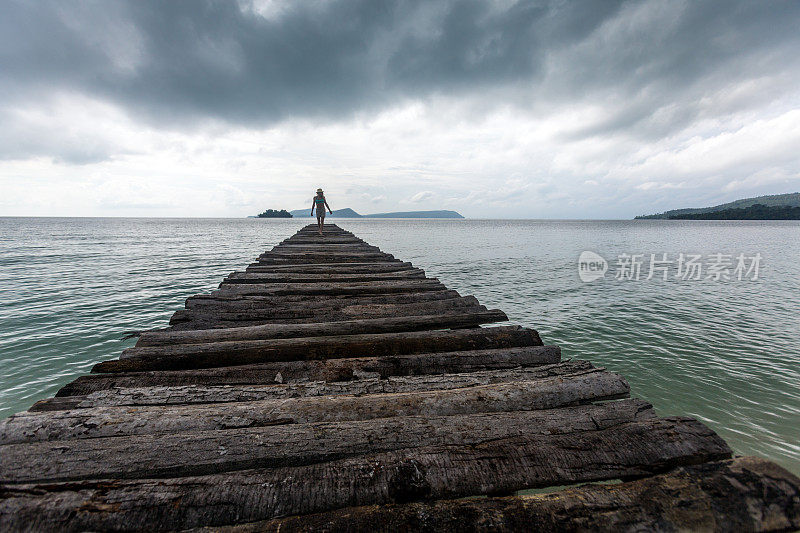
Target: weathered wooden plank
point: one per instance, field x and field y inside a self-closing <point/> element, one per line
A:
<point x="365" y="287"/>
<point x="219" y="300"/>
<point x="324" y="240"/>
<point x="315" y="277"/>
<point x="307" y="235"/>
<point x="325" y="244"/>
<point x="332" y="346"/>
<point x="233" y="353"/>
<point x="378" y="266"/>
<point x="194" y="320"/>
<point x="358" y="400"/>
<point x="163" y="455"/>
<point x="550" y="393"/>
<point x="202" y="394"/>
<point x="439" y="471"/>
<point x="311" y="229"/>
<point x="320" y="259"/>
<point x="313" y="251"/>
<point x="323" y="256"/>
<point x="345" y="327"/>
<point x="300" y="236"/>
<point x="316" y="247"/>
<point x="295" y="301"/>
<point x="358" y="306"/>
<point x="268" y="277"/>
<point x="332" y="240"/>
<point x="403" y="282"/>
<point x="326" y="235"/>
<point x="323" y="370"/>
<point x="207" y="318"/>
<point x="313" y="233"/>
<point x="741" y="494"/>
<point x="328" y="239"/>
<point x="328" y="308"/>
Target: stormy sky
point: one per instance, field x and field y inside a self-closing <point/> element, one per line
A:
<point x="542" y="109"/>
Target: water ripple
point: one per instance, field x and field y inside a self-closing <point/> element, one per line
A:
<point x="725" y="353"/>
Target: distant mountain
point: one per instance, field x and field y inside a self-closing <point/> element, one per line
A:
<point x="416" y="214"/>
<point x="337" y="213"/>
<point x="774" y="200"/>
<point x="349" y="213"/>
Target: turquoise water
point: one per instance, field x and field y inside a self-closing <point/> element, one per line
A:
<point x="726" y="352"/>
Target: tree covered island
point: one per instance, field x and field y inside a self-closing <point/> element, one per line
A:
<point x="272" y="213"/>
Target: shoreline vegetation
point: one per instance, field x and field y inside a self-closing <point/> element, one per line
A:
<point x="770" y="207"/>
<point x="755" y="212"/>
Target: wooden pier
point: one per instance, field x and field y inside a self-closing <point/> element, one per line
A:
<point x="332" y="387"/>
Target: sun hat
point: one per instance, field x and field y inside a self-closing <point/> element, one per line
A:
<point x="319" y="190"/>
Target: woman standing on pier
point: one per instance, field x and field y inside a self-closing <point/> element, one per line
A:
<point x="320" y="203"/>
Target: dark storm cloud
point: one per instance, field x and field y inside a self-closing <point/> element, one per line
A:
<point x="192" y="59"/>
<point x="178" y="62"/>
<point x="666" y="78"/>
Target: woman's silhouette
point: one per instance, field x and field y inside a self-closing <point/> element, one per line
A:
<point x="320" y="203"/>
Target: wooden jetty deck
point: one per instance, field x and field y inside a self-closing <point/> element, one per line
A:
<point x="332" y="387"/>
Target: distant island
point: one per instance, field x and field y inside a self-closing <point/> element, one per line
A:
<point x="349" y="213"/>
<point x="771" y="207"/>
<point x="272" y="213"/>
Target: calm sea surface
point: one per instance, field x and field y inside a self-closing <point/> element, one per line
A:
<point x="725" y="352"/>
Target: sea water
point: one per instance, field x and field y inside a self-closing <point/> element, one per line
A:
<point x="720" y="344"/>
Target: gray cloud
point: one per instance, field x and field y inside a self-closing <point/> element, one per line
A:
<point x="653" y="66"/>
<point x="176" y="61"/>
<point x="23" y="138"/>
<point x="660" y="81"/>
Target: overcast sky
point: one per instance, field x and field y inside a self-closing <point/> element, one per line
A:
<point x="545" y="109"/>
